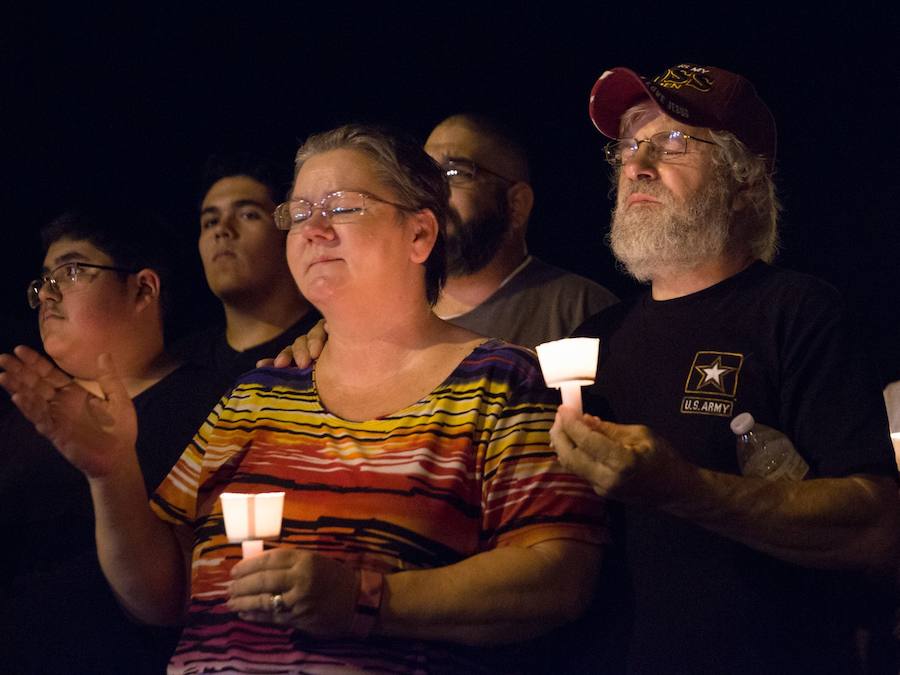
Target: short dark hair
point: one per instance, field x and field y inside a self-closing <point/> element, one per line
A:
<point x="404" y="166"/>
<point x="507" y="140"/>
<point x="274" y="175"/>
<point x="133" y="238"/>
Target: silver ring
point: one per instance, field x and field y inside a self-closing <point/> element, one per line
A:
<point x="278" y="603"/>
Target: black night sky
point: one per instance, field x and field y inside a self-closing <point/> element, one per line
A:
<point x="129" y="101"/>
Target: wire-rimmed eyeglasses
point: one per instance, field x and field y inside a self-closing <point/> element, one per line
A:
<point x="62" y="277"/>
<point x="662" y="144"/>
<point x="343" y="206"/>
<point x="460" y="171"/>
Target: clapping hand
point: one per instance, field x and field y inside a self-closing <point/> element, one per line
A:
<point x="93" y="433"/>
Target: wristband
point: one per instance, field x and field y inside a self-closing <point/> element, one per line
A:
<point x="369" y="594"/>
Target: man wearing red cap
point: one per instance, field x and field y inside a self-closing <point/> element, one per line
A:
<point x="727" y="573"/>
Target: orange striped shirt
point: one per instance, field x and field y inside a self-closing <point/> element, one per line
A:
<point x="466" y="469"/>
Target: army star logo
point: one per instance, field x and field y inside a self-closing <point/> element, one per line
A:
<point x="711" y="385"/>
<point x="712" y="374"/>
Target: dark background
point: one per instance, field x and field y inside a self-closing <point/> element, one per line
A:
<point x="128" y="102"/>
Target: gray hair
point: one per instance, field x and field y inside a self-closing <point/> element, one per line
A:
<point x="757" y="229"/>
<point x="402" y="165"/>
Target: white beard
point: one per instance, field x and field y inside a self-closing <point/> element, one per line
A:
<point x="666" y="237"/>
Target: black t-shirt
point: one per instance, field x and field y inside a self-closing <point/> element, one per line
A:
<point x="776" y="344"/>
<point x="57" y="612"/>
<point x="210" y="348"/>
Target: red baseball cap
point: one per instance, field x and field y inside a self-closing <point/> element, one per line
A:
<point x="702" y="96"/>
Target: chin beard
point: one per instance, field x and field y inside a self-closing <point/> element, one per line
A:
<point x="471" y="246"/>
<point x="647" y="240"/>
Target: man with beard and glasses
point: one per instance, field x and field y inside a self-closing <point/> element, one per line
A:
<point x="494" y="287"/>
<point x="726" y="573"/>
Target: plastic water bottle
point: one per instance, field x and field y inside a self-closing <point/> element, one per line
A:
<point x="766" y="452"/>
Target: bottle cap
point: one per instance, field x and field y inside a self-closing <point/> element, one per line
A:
<point x="742" y="423"/>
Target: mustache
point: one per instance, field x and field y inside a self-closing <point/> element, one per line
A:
<point x="652" y="188"/>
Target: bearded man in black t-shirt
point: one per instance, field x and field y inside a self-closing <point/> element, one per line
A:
<point x="711" y="571"/>
<point x="725" y="573"/>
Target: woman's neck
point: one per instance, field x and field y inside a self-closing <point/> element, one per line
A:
<point x="377" y="341"/>
<point x="369" y="373"/>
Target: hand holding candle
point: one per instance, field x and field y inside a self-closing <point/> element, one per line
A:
<point x="251" y="518"/>
<point x="568" y="365"/>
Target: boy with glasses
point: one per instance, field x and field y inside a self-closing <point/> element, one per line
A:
<point x="102" y="290"/>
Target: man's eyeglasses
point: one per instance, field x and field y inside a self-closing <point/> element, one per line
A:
<point x="461" y="171"/>
<point x="662" y="144"/>
<point x="64" y="276"/>
<point x="343" y="206"/>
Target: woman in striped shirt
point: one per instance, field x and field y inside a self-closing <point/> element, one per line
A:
<point x="427" y="525"/>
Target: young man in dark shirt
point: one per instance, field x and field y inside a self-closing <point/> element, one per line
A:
<point x="103" y="289"/>
<point x="245" y="267"/>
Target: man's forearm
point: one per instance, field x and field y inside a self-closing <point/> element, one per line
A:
<point x="504" y="595"/>
<point x="831" y="523"/>
<point x="139" y="553"/>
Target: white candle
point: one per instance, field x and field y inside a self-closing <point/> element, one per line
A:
<point x="251" y="548"/>
<point x="251" y="518"/>
<point x="568" y="365"/>
<point x="895" y="439"/>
